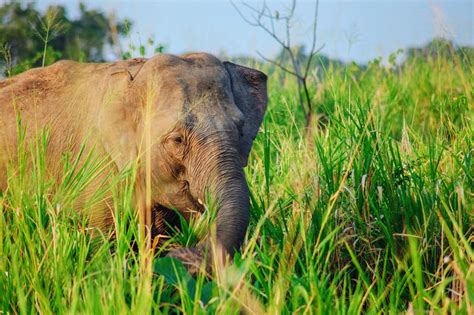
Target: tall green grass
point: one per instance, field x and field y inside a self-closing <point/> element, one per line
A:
<point x="371" y="213"/>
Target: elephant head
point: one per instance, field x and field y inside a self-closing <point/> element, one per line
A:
<point x="199" y="117"/>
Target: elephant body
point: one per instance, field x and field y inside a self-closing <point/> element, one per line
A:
<point x="190" y="120"/>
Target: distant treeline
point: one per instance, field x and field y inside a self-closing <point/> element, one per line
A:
<point x="438" y="47"/>
<point x="30" y="38"/>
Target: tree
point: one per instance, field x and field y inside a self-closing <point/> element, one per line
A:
<point x="30" y="38"/>
<point x="266" y="19"/>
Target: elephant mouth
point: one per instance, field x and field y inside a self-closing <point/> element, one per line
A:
<point x="166" y="220"/>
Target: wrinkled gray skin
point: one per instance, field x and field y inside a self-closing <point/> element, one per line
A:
<point x="203" y="117"/>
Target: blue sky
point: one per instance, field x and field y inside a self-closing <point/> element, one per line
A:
<point x="350" y="30"/>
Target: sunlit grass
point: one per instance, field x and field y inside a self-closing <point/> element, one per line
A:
<point x="371" y="213"/>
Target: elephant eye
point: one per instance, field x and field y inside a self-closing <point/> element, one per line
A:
<point x="178" y="139"/>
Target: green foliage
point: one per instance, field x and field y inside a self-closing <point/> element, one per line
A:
<point x="35" y="38"/>
<point x="370" y="214"/>
<point x="142" y="50"/>
<point x="176" y="275"/>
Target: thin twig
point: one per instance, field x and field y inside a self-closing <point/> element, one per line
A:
<point x="313" y="43"/>
<point x="310" y="58"/>
<point x="277" y="64"/>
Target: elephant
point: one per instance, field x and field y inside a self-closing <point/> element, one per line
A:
<point x="195" y="115"/>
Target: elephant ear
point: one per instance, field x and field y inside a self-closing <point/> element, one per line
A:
<point x="249" y="88"/>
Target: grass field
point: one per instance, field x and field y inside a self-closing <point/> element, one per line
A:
<point x="371" y="213"/>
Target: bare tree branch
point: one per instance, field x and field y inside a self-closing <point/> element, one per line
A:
<point x="279" y="65"/>
<point x="310" y="58"/>
<point x="243" y="16"/>
<point x="264" y="19"/>
<point x="260" y="13"/>
<point x="312" y="51"/>
<point x="258" y="22"/>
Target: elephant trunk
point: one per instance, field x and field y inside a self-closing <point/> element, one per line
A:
<point x="224" y="177"/>
<point x="233" y="214"/>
